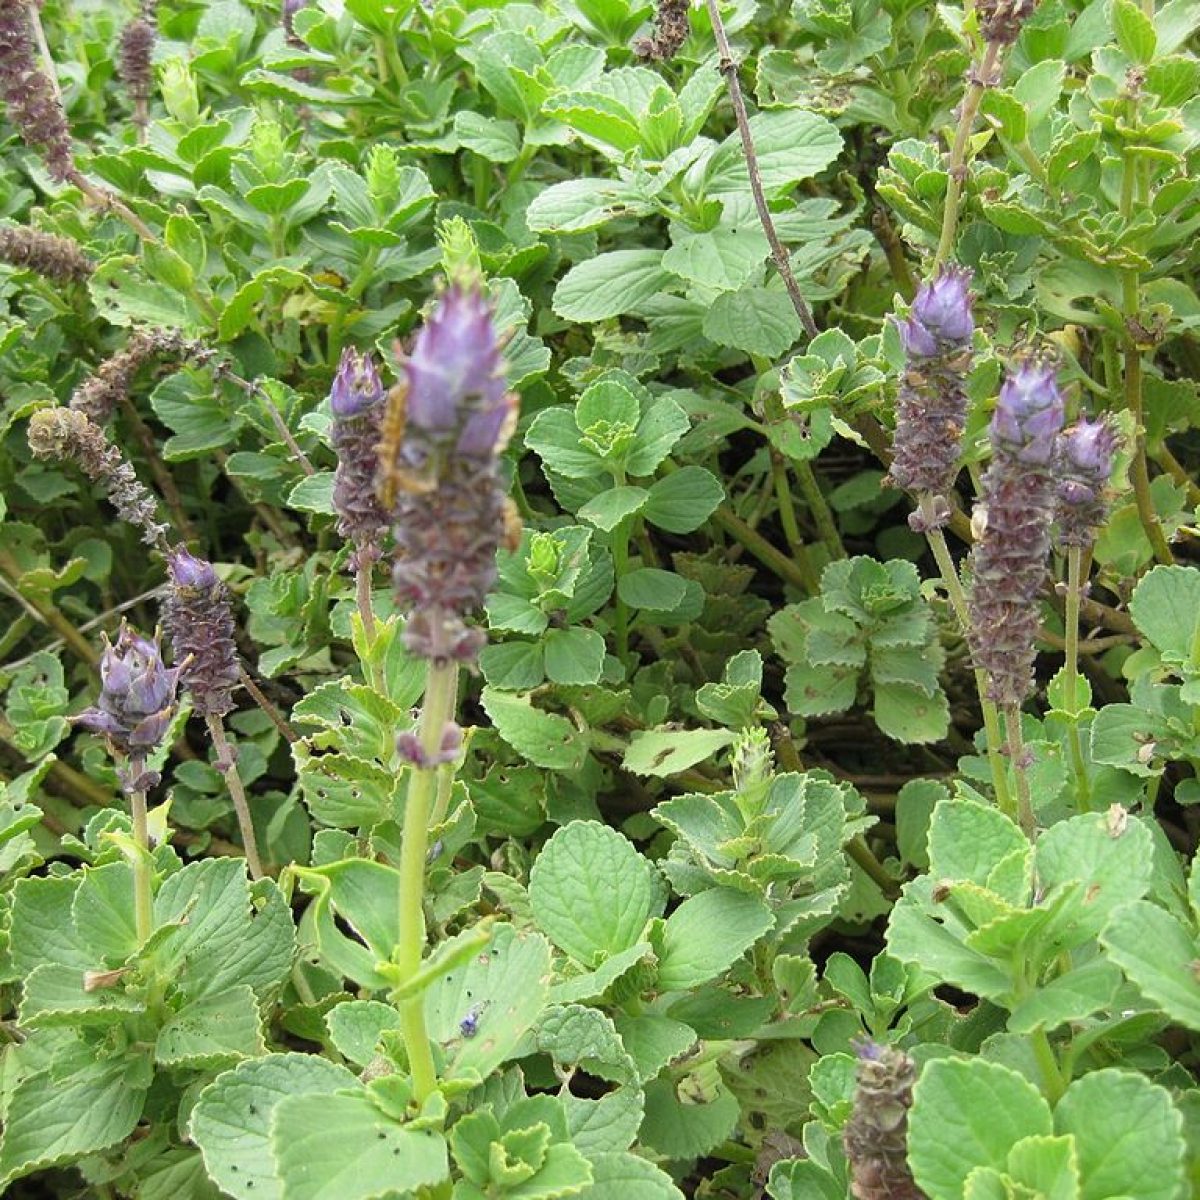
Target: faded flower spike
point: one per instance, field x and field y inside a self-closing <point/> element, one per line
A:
<point x="932" y="403"/>
<point x="53" y="257"/>
<point x="357" y="402"/>
<point x="446" y="423"/>
<point x="135" y="61"/>
<point x="63" y="433"/>
<point x="200" y="625"/>
<point x="100" y="394"/>
<point x="1009" y="560"/>
<point x="33" y="106"/>
<point x="137" y="702"/>
<point x="1085" y="461"/>
<point x="876" y="1135"/>
<point x="671" y="30"/>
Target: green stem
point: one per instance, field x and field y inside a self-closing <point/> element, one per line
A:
<point x="860" y="853"/>
<point x="957" y="165"/>
<point x="1053" y="1084"/>
<point x="143" y="896"/>
<point x="1071" y="670"/>
<point x="227" y="765"/>
<point x="436" y="710"/>
<point x="958" y="602"/>
<point x="787" y="518"/>
<point x="1016" y="754"/>
<point x="46" y="611"/>
<point x="758" y="545"/>
<point x="818" y="506"/>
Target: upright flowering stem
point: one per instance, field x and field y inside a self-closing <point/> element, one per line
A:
<point x="1085" y="458"/>
<point x="446" y="423"/>
<point x="931" y="414"/>
<point x="1010" y="557"/>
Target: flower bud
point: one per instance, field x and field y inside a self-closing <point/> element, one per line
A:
<point x="137" y="699"/>
<point x="179" y="92"/>
<point x="1085" y="460"/>
<point x="200" y="625"/>
<point x="940" y="319"/>
<point x="1029" y="414"/>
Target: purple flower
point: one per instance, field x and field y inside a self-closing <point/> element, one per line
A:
<point x="188" y="571"/>
<point x="1085" y="460"/>
<point x="453" y="375"/>
<point x="356" y="386"/>
<point x="137" y="699"/>
<point x="1029" y="414"/>
<point x="940" y="319"/>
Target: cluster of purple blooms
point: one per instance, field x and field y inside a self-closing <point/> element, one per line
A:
<point x="1041" y="478"/>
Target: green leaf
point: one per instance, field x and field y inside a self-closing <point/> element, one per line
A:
<point x="792" y="144"/>
<point x="708" y="933"/>
<point x="604" y="1126"/>
<point x="1134" y="30"/>
<point x="545" y="739"/>
<point x="341" y="1147"/>
<point x="124" y="296"/>
<point x="665" y="752"/>
<point x="216" y="1030"/>
<point x="579" y="205"/>
<point x="574" y="656"/>
<point x="907" y="713"/>
<point x="1047" y="1165"/>
<point x="654" y="1040"/>
<point x="623" y="1176"/>
<point x="575" y="1035"/>
<point x="662" y="425"/>
<point x="356" y="1026"/>
<point x="503" y="990"/>
<point x="610" y="284"/>
<point x="1128" y="1136"/>
<point x="592" y="892"/>
<point x="313" y="493"/>
<point x="231" y="1122"/>
<point x="1158" y="955"/>
<point x="968" y="840"/>
<point x="55" y="994"/>
<point x="607" y="510"/>
<point x="1165" y="606"/>
<point x="969" y="1113"/>
<point x="758" y="320"/>
<point x="1069" y="997"/>
<point x="51" y="1119"/>
<point x="649" y="587"/>
<point x="686" y="1130"/>
<point x="812" y="691"/>
<point x="723" y="257"/>
<point x="684" y="500"/>
<point x="515" y="666"/>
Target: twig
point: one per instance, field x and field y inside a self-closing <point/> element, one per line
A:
<point x="779" y="256"/>
<point x="165" y="480"/>
<point x="227" y="765"/>
<point x="254" y="388"/>
<point x="273" y="714"/>
<point x="756" y="544"/>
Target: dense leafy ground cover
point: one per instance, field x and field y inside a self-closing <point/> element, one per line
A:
<point x="772" y="760"/>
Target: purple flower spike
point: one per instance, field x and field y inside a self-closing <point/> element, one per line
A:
<point x="1009" y="560"/>
<point x="931" y="408"/>
<point x="357" y="403"/>
<point x="449" y="508"/>
<point x="200" y="625"/>
<point x="137" y="700"/>
<point x="1085" y="461"/>
<point x="1029" y="414"/>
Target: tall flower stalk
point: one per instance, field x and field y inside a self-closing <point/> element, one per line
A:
<point x="199" y="621"/>
<point x="1010" y="558"/>
<point x="876" y="1135"/>
<point x="931" y="415"/>
<point x="135" y="62"/>
<point x="356" y="401"/>
<point x="136" y="705"/>
<point x="447" y="422"/>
